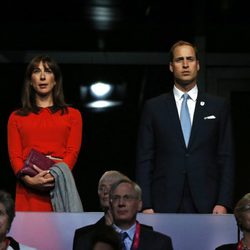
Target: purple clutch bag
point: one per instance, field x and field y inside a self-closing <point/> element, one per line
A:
<point x="38" y="159"/>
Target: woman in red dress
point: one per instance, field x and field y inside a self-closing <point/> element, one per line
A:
<point x="44" y="123"/>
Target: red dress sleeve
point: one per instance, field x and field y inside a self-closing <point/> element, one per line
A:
<point x="74" y="138"/>
<point x="15" y="144"/>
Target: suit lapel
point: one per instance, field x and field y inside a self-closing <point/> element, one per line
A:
<point x="199" y="113"/>
<point x="174" y="118"/>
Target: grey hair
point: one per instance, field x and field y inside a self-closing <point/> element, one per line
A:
<point x="114" y="175"/>
<point x="134" y="185"/>
<point x="242" y="206"/>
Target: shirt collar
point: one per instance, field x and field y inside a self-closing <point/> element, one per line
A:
<point x="193" y="93"/>
<point x="130" y="231"/>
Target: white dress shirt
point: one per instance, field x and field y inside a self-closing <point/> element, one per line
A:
<point x="193" y="93"/>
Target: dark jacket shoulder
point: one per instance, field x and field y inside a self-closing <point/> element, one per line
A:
<point x="84" y="235"/>
<point x="87" y="228"/>
<point x="150" y="239"/>
<point x="227" y="247"/>
<point x="147" y="227"/>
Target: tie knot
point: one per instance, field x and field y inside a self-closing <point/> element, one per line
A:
<point x="124" y="235"/>
<point x="185" y="96"/>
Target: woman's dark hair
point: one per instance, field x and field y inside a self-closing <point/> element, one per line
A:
<point x="28" y="93"/>
<point x="107" y="235"/>
<point x="9" y="205"/>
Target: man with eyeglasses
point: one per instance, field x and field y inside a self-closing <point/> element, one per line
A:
<point x="83" y="236"/>
<point x="104" y="185"/>
<point x="125" y="203"/>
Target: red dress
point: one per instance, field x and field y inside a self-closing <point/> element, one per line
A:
<point x="55" y="134"/>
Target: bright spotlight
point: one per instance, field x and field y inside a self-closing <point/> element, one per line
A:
<point x="103" y="104"/>
<point x="101" y="89"/>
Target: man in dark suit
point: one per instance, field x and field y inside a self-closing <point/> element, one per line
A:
<point x="184" y="170"/>
<point x="83" y="236"/>
<point x="125" y="203"/>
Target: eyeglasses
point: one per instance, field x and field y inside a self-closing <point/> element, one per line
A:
<point x="125" y="198"/>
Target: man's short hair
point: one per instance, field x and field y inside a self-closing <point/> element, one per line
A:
<point x="134" y="185"/>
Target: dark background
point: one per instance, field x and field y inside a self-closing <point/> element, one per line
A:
<point x="126" y="43"/>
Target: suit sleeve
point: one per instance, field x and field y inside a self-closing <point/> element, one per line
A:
<point x="76" y="244"/>
<point x="145" y="156"/>
<point x="226" y="159"/>
<point x="74" y="139"/>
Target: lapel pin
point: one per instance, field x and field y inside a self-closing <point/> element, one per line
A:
<point x="202" y="103"/>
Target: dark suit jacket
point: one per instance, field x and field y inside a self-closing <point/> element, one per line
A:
<point x="83" y="236"/>
<point x="163" y="161"/>
<point x="228" y="247"/>
<point x="149" y="239"/>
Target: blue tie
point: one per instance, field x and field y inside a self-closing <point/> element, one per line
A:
<point x="185" y="118"/>
<point x="124" y="235"/>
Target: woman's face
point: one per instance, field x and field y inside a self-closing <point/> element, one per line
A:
<point x="3" y="222"/>
<point x="103" y="191"/>
<point x="43" y="80"/>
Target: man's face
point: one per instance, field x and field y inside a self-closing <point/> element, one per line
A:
<point x="125" y="205"/>
<point x="184" y="66"/>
